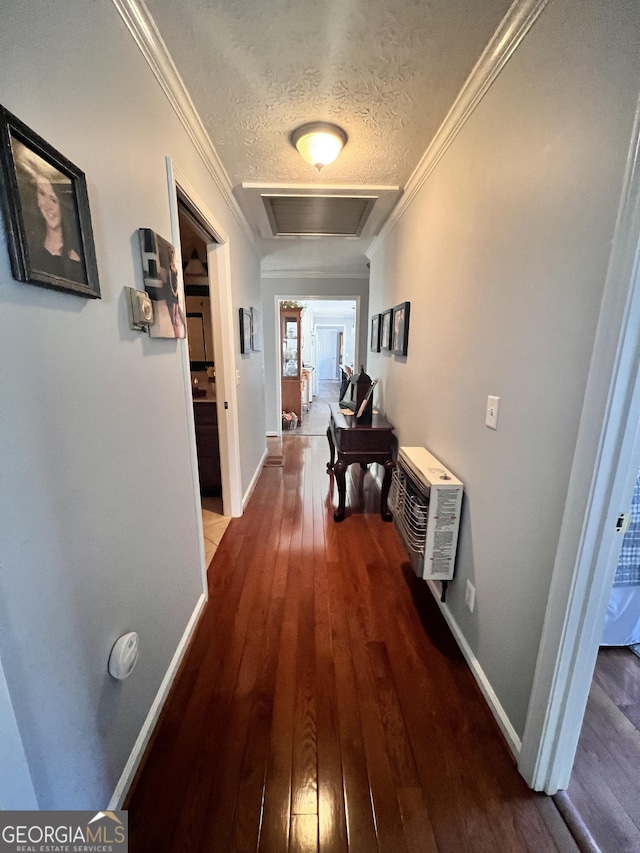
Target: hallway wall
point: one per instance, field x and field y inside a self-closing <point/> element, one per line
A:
<point x="98" y="527"/>
<point x="325" y="288"/>
<point x="503" y="254"/>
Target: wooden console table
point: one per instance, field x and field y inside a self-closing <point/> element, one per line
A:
<point x="363" y="443"/>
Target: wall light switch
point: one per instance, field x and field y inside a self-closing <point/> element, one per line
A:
<point x="237" y="377"/>
<point x="491" y="418"/>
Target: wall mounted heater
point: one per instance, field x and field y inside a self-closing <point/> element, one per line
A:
<point x="425" y="499"/>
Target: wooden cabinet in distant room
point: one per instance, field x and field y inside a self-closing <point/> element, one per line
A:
<point x="291" y="378"/>
<point x="206" y="420"/>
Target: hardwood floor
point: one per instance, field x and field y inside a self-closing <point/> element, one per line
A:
<point x="316" y="418"/>
<point x="605" y="783"/>
<point x="323" y="704"/>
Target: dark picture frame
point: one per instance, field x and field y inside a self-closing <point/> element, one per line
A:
<point x="256" y="330"/>
<point x="386" y="327"/>
<point x="375" y="333"/>
<point x="400" y="329"/>
<point x="245" y="330"/>
<point x="45" y="207"/>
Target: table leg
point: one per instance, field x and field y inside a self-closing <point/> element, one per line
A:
<point x="385" y="512"/>
<point x="339" y="469"/>
<point x="332" y="450"/>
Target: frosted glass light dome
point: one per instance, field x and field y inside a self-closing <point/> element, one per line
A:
<point x="319" y="142"/>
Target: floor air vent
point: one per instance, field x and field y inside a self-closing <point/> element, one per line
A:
<point x="317" y="215"/>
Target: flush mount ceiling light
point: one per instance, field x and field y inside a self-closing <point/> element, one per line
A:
<point x="319" y="142"/>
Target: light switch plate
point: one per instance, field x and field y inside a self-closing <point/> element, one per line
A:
<point x="493" y="406"/>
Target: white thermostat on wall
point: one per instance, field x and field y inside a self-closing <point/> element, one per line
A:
<point x="124" y="656"/>
<point x="140" y="309"/>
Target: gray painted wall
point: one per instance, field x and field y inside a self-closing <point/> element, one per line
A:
<point x="291" y="288"/>
<point x="98" y="530"/>
<point x="503" y="255"/>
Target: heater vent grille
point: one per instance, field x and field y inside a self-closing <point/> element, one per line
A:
<point x="317" y="215"/>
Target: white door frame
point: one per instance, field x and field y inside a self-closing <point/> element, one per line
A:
<point x="603" y="475"/>
<point x="223" y="348"/>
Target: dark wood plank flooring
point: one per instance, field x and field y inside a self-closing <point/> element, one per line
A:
<point x="323" y="704"/>
<point x="605" y="782"/>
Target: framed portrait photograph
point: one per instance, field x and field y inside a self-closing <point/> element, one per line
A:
<point x="163" y="284"/>
<point x="45" y="207"/>
<point x="386" y="319"/>
<point x="375" y="333"/>
<point x="400" y="332"/>
<point x="256" y="330"/>
<point x="245" y="330"/>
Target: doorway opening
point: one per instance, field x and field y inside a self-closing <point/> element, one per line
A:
<point x="193" y="245"/>
<point x="222" y="324"/>
<point x="604" y="787"/>
<point x="218" y="268"/>
<point x="327" y="345"/>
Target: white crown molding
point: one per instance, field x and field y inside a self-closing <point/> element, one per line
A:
<point x="146" y="35"/>
<point x="312" y="274"/>
<point x="521" y="16"/>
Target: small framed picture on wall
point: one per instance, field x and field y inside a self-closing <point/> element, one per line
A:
<point x="400" y="332"/>
<point x="245" y="331"/>
<point x="386" y="319"/>
<point x="375" y="333"/>
<point x="256" y="330"/>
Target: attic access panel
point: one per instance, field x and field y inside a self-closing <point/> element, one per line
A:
<point x="317" y="215"/>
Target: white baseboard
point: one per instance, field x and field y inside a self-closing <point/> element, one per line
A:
<point x="274" y="434"/>
<point x="511" y="736"/>
<point x="254" y="480"/>
<point x="124" y="783"/>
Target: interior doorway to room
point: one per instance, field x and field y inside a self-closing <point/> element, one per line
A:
<point x="605" y="780"/>
<point x="328" y="344"/>
<point x="194" y="242"/>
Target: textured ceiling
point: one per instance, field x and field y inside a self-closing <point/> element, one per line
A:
<point x="387" y="71"/>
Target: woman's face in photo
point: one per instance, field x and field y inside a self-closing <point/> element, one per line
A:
<point x="48" y="203"/>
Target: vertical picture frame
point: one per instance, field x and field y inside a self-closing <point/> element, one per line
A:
<point x="245" y="330"/>
<point x="386" y="328"/>
<point x="163" y="283"/>
<point x="375" y="333"/>
<point x="400" y="329"/>
<point x="256" y="330"/>
<point x="45" y="207"/>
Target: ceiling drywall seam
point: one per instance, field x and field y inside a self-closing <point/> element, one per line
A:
<point x="147" y="36"/>
<point x="513" y="28"/>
